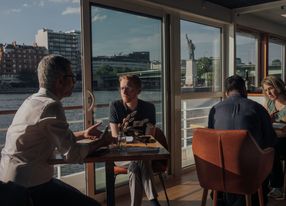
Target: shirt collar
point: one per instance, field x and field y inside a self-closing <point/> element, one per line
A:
<point x="48" y="93"/>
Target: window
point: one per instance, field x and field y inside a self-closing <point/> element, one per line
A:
<point x="124" y="43"/>
<point x="18" y="83"/>
<point x="247" y="59"/>
<point x="201" y="74"/>
<point x="276" y="58"/>
<point x="200" y="57"/>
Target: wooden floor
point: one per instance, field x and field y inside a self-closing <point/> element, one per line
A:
<point x="183" y="191"/>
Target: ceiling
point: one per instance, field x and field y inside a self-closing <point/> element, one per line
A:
<point x="233" y="4"/>
<point x="270" y="10"/>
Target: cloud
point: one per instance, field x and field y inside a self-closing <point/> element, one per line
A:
<point x="98" y="17"/>
<point x="71" y="10"/>
<point x="25" y="5"/>
<point x="11" y="11"/>
<point x="41" y="4"/>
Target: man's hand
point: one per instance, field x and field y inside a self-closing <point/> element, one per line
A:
<point x="92" y="132"/>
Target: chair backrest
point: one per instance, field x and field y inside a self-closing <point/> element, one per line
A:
<point x="160" y="165"/>
<point x="230" y="160"/>
<point x="160" y="137"/>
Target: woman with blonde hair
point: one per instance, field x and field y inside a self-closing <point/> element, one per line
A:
<point x="275" y="95"/>
<point x="275" y="103"/>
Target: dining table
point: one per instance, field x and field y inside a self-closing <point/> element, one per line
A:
<point x="125" y="152"/>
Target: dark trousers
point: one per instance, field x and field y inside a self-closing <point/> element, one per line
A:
<point x="229" y="199"/>
<point x="276" y="175"/>
<point x="58" y="193"/>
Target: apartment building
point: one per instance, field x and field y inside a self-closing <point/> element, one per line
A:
<point x="19" y="60"/>
<point x="66" y="44"/>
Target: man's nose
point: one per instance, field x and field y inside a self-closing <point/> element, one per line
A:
<point x="125" y="91"/>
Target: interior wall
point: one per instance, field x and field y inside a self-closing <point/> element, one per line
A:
<point x="207" y="10"/>
<point x="198" y="8"/>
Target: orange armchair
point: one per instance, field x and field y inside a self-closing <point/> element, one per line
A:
<point x="230" y="161"/>
<point x="158" y="166"/>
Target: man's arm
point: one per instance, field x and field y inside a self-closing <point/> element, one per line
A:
<point x="100" y="142"/>
<point x="90" y="133"/>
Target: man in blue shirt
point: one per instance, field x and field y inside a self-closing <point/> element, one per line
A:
<point x="238" y="112"/>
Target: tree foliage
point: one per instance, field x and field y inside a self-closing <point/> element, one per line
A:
<point x="204" y="65"/>
<point x="107" y="70"/>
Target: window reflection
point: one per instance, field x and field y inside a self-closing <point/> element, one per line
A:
<point x="200" y="57"/>
<point x="247" y="59"/>
<point x="124" y="43"/>
<point x="276" y="60"/>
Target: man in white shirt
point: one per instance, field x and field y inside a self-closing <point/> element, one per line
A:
<point x="38" y="129"/>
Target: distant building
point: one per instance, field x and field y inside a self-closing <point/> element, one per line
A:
<point x="66" y="44"/>
<point x="105" y="68"/>
<point x="18" y="59"/>
<point x="133" y="61"/>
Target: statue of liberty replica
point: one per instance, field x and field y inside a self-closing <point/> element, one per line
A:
<point x="191" y="67"/>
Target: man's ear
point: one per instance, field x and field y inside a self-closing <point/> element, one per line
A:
<point x="60" y="80"/>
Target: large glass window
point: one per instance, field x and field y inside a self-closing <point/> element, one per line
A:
<point x="276" y="58"/>
<point x="200" y="57"/>
<point x="247" y="59"/>
<point x="201" y="72"/>
<point x="21" y="48"/>
<point x="124" y="43"/>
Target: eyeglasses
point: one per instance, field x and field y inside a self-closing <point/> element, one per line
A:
<point x="72" y="76"/>
<point x="127" y="88"/>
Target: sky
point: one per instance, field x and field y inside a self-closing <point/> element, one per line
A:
<point x="113" y="32"/>
<point x="21" y="19"/>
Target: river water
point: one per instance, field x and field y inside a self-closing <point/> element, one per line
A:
<point x="74" y="117"/>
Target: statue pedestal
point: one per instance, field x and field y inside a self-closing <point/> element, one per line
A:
<point x="191" y="73"/>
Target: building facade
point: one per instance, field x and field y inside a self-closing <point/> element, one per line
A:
<point x="19" y="61"/>
<point x="66" y="44"/>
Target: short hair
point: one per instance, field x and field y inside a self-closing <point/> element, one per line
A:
<point x="50" y="68"/>
<point x="275" y="82"/>
<point x="133" y="78"/>
<point x="236" y="83"/>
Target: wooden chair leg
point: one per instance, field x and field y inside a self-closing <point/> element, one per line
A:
<point x="163" y="184"/>
<point x="204" y="198"/>
<point x="214" y="198"/>
<point x="260" y="196"/>
<point x="284" y="185"/>
<point x="248" y="200"/>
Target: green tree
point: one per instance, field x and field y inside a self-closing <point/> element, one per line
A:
<point x="204" y="65"/>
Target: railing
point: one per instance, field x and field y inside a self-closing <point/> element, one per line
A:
<point x="188" y="123"/>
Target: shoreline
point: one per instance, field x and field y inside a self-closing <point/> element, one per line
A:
<point x="34" y="90"/>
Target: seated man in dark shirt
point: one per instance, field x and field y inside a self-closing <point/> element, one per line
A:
<point x="238" y="112"/>
<point x="133" y="115"/>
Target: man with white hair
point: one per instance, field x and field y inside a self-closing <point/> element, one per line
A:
<point x="38" y="129"/>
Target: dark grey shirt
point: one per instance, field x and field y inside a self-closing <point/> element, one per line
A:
<point x="145" y="114"/>
<point x="237" y="112"/>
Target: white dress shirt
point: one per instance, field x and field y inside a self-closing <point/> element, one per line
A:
<point x="38" y="129"/>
